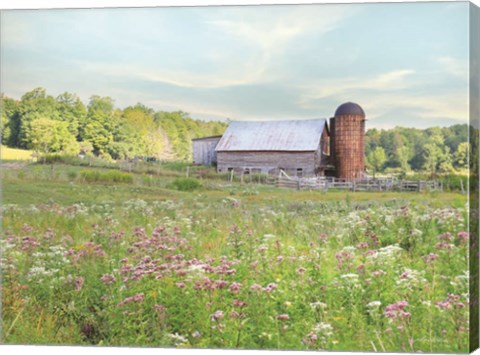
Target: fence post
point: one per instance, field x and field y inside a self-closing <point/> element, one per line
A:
<point x="188" y="171"/>
<point x="298" y="185"/>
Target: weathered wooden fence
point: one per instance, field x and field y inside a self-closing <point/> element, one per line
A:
<point x="369" y="184"/>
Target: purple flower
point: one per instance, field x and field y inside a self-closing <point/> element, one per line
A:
<point x="463" y="236"/>
<point x="79" y="283"/>
<point x="235" y="287"/>
<point x="270" y="287"/>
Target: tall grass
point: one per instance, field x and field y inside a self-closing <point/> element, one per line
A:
<point x="105" y="176"/>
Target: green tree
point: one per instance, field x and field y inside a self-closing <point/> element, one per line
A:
<point x="45" y="135"/>
<point x="403" y="156"/>
<point x="100" y="124"/>
<point x="461" y="155"/>
<point x="376" y="160"/>
<point x="33" y="105"/>
<point x="433" y="155"/>
<point x="71" y="110"/>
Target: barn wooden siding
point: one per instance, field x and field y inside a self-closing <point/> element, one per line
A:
<point x="204" y="150"/>
<point x="267" y="162"/>
<point x="349" y="146"/>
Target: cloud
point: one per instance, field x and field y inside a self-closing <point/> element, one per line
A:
<point x="455" y="67"/>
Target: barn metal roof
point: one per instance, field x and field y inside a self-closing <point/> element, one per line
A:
<point x="294" y="135"/>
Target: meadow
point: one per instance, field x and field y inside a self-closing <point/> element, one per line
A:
<point x="96" y="257"/>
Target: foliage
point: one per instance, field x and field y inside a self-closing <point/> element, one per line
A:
<point x="106" y="176"/>
<point x="376" y="160"/>
<point x="185" y="184"/>
<point x="434" y="149"/>
<point x="45" y="135"/>
<point x="103" y="130"/>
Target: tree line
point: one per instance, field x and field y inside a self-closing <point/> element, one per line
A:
<point x="433" y="150"/>
<point x="63" y="124"/>
<point x="48" y="124"/>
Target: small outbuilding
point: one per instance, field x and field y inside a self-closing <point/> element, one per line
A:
<point x="204" y="150"/>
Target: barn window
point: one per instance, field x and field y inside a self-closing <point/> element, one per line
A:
<point x="299" y="172"/>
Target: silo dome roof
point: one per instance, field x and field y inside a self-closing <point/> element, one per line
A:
<point x="349" y="108"/>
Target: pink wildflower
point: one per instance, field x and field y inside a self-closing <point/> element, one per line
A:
<point x="216" y="316"/>
<point x="235" y="287"/>
<point x="79" y="283"/>
<point x="270" y="287"/>
<point x="108" y="279"/>
<point x="283" y="317"/>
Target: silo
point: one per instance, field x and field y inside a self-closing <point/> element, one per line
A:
<point x="349" y="141"/>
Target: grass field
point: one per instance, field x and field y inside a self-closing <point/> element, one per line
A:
<point x="138" y="263"/>
<point x="15" y="154"/>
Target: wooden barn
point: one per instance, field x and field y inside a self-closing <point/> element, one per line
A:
<point x="297" y="147"/>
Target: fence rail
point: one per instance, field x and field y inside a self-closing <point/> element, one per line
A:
<point x="369" y="184"/>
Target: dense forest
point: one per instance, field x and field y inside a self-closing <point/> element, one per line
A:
<point x="432" y="150"/>
<point x="47" y="124"/>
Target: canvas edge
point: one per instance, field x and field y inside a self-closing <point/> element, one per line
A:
<point x="474" y="108"/>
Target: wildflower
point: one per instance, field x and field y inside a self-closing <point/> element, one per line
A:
<point x="256" y="287"/>
<point x="447" y="237"/>
<point x="238" y="303"/>
<point x="177" y="339"/>
<point x="374" y="304"/>
<point x="310" y="338"/>
<point x="79" y="283"/>
<point x="318" y="305"/>
<point x="216" y="316"/>
<point x="235" y="287"/>
<point x="234" y="314"/>
<point x="137" y="298"/>
<point x="283" y="317"/>
<point x="270" y="287"/>
<point x="430" y="258"/>
<point x="301" y="270"/>
<point x="324" y="329"/>
<point x="463" y="236"/>
<point x="159" y="308"/>
<point x="396" y="310"/>
<point x="108" y="279"/>
<point x="196" y="334"/>
<point x="180" y="284"/>
<point x="378" y="273"/>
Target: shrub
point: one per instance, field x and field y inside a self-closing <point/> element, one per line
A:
<point x="108" y="176"/>
<point x="72" y="175"/>
<point x="185" y="184"/>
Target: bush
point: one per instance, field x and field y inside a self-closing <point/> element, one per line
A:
<point x="108" y="176"/>
<point x="72" y="175"/>
<point x="454" y="182"/>
<point x="185" y="184"/>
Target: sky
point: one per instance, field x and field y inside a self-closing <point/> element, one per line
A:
<point x="406" y="64"/>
